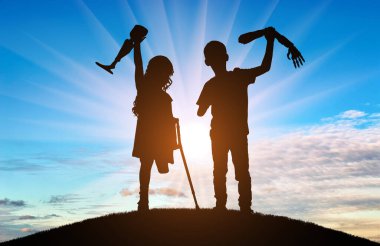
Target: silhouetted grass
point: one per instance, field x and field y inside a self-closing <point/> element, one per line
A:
<point x="190" y="227"/>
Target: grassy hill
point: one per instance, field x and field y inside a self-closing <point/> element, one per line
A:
<point x="190" y="227"/>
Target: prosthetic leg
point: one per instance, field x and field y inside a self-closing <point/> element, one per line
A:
<point x="138" y="32"/>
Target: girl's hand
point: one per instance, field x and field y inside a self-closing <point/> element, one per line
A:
<point x="138" y="41"/>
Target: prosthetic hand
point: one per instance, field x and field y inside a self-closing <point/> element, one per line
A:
<point x="296" y="56"/>
<point x="293" y="53"/>
<point x="137" y="34"/>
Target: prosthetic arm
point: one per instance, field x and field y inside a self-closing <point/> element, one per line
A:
<point x="293" y="52"/>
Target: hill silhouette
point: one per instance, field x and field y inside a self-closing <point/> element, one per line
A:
<point x="190" y="227"/>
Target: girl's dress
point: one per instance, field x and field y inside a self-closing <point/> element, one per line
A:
<point x="155" y="136"/>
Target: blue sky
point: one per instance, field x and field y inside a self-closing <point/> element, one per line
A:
<point x="67" y="128"/>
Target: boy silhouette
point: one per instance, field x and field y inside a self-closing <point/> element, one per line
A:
<point x="227" y="94"/>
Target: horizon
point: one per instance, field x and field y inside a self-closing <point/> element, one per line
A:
<point x="67" y="127"/>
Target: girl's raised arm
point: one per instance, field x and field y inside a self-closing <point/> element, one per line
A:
<point x="139" y="71"/>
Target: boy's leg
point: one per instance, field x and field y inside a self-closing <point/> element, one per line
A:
<point x="220" y="157"/>
<point x="145" y="169"/>
<point x="239" y="153"/>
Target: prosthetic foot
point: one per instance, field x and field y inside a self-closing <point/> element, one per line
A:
<point x="108" y="68"/>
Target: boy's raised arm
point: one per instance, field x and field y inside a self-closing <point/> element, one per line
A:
<point x="267" y="60"/>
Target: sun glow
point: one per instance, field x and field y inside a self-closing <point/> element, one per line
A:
<point x="195" y="139"/>
<point x="52" y="92"/>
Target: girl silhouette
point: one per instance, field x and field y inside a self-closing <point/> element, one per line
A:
<point x="155" y="137"/>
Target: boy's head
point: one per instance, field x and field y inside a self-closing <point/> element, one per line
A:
<point x="215" y="54"/>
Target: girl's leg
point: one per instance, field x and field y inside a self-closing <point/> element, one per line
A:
<point x="146" y="167"/>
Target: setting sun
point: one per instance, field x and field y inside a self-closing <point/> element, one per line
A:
<point x="195" y="139"/>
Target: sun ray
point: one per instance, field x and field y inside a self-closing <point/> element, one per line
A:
<point x="127" y="9"/>
<point x="163" y="42"/>
<point x="231" y="22"/>
<point x="240" y="58"/>
<point x="302" y="102"/>
<point x="89" y="130"/>
<point x="310" y="19"/>
<point x="83" y="78"/>
<point x="194" y="69"/>
<point x="289" y="81"/>
<point x="98" y="27"/>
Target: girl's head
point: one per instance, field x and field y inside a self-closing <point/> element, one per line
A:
<point x="157" y="75"/>
<point x="159" y="71"/>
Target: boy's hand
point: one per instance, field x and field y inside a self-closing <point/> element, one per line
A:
<point x="269" y="33"/>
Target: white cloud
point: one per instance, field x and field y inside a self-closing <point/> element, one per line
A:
<point x="322" y="172"/>
<point x="166" y="192"/>
<point x="28" y="230"/>
<point x="352" y="114"/>
<point x="375" y="115"/>
<point x="127" y="192"/>
<point x="61" y="199"/>
<point x="154" y="191"/>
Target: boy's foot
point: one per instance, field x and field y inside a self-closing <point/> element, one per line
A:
<point x="219" y="208"/>
<point x="246" y="210"/>
<point x="143" y="208"/>
<point x="105" y="67"/>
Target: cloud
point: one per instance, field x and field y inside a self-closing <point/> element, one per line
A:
<point x="51" y="216"/>
<point x="127" y="192"/>
<point x="27" y="217"/>
<point x="68" y="198"/>
<point x="321" y="172"/>
<point x="28" y="230"/>
<point x="352" y="114"/>
<point x="22" y="165"/>
<point x="31" y="217"/>
<point x="158" y="191"/>
<point x="375" y="238"/>
<point x="166" y="192"/>
<point x="9" y="203"/>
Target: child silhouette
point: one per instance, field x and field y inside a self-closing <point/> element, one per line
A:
<point x="155" y="137"/>
<point x="227" y="95"/>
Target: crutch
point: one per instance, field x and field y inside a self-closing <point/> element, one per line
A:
<point x="184" y="161"/>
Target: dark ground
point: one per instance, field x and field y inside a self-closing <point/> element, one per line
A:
<point x="190" y="227"/>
